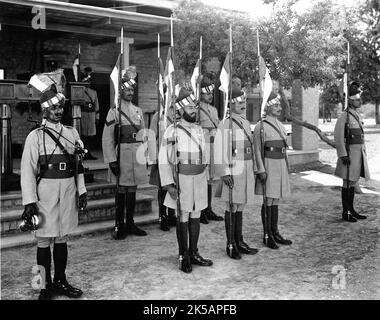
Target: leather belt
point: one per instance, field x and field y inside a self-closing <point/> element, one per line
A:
<point x="274" y="152"/>
<point x="191" y="169"/>
<point x="59" y="170"/>
<point x="357" y="138"/>
<point x="247" y="152"/>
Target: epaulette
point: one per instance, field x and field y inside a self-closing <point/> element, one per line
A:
<point x="68" y="127"/>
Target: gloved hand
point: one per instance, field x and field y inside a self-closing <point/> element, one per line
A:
<point x="228" y="180"/>
<point x="30" y="210"/>
<point x="114" y="166"/>
<point x="262" y="176"/>
<point x="346" y="160"/>
<point x="172" y="190"/>
<point x="83" y="202"/>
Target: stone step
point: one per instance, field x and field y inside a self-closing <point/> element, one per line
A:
<point x="28" y="239"/>
<point x="97" y="210"/>
<point x="96" y="190"/>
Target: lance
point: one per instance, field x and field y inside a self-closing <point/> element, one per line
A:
<point x="198" y="89"/>
<point x="347" y="126"/>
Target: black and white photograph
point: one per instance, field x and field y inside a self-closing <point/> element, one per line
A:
<point x="190" y="157"/>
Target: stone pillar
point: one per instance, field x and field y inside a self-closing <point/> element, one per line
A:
<point x="127" y="43"/>
<point x="305" y="107"/>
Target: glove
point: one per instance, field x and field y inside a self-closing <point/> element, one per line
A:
<point x="30" y="211"/>
<point x="346" y="160"/>
<point x="262" y="176"/>
<point x="172" y="191"/>
<point x="114" y="166"/>
<point x="83" y="202"/>
<point x="228" y="180"/>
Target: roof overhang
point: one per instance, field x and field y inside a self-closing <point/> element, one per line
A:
<point x="96" y="22"/>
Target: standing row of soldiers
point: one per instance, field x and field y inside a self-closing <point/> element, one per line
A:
<point x="53" y="184"/>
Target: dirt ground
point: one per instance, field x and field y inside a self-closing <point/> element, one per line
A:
<point x="146" y="268"/>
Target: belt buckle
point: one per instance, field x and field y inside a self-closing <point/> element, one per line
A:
<point x="283" y="150"/>
<point x="362" y="136"/>
<point x="248" y="150"/>
<point x="62" y="166"/>
<point x="134" y="135"/>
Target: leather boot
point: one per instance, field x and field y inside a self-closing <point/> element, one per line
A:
<point x="61" y="286"/>
<point x="44" y="260"/>
<point x="182" y="238"/>
<point x="119" y="231"/>
<point x="163" y="217"/>
<point x="268" y="239"/>
<point x="229" y="223"/>
<point x="172" y="217"/>
<point x="241" y="245"/>
<point x="211" y="215"/>
<point x="203" y="218"/>
<point x="130" y="226"/>
<point x="351" y="205"/>
<point x="195" y="257"/>
<point x="346" y="216"/>
<point x="276" y="234"/>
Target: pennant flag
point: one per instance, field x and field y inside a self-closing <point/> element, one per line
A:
<point x="168" y="79"/>
<point x="41" y="82"/>
<point x="161" y="88"/>
<point x="345" y="91"/>
<point x="265" y="83"/>
<point x="195" y="78"/>
<point x="225" y="75"/>
<point x="76" y="69"/>
<point x="115" y="81"/>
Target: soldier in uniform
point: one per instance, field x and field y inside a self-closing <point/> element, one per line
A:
<point x="132" y="169"/>
<point x="186" y="144"/>
<point x="355" y="158"/>
<point x="272" y="169"/>
<point x="167" y="216"/>
<point x="51" y="179"/>
<point x="90" y="114"/>
<point x="235" y="175"/>
<point x="209" y="121"/>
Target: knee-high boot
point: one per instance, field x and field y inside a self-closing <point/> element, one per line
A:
<point x="266" y="216"/>
<point x="229" y="223"/>
<point x="163" y="217"/>
<point x="182" y="238"/>
<point x="172" y="217"/>
<point x="119" y="231"/>
<point x="274" y="225"/>
<point x="130" y="226"/>
<point x="44" y="260"/>
<point x="346" y="214"/>
<point x="61" y="286"/>
<point x="195" y="257"/>
<point x="241" y="245"/>
<point x="351" y="205"/>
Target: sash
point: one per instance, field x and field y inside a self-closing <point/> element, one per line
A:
<point x="209" y="116"/>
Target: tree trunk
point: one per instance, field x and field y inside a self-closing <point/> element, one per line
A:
<point x="305" y="124"/>
<point x="377" y="112"/>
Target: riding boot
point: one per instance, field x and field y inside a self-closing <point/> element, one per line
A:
<point x="163" y="217"/>
<point x="172" y="217"/>
<point x="203" y="218"/>
<point x="195" y="257"/>
<point x="130" y="226"/>
<point x="274" y="225"/>
<point x="61" y="286"/>
<point x="351" y="205"/>
<point x="229" y="223"/>
<point x="119" y="231"/>
<point x="211" y="215"/>
<point x="182" y="238"/>
<point x="241" y="245"/>
<point x="44" y="260"/>
<point x="346" y="206"/>
<point x="268" y="239"/>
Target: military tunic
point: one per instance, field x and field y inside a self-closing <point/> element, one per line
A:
<point x="209" y="121"/>
<point x="133" y="154"/>
<point x="193" y="187"/>
<point x="242" y="157"/>
<point x="277" y="183"/>
<point x="55" y="198"/>
<point x="89" y="113"/>
<point x="358" y="155"/>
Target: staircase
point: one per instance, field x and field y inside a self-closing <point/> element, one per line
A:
<point x="99" y="215"/>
